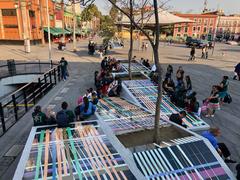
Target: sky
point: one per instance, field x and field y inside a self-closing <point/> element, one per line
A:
<point x="191" y="6"/>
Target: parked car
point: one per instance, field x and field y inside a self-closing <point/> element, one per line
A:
<point x="232" y="43"/>
<point x="196" y="42"/>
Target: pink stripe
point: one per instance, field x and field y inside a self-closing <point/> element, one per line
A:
<point x="206" y="173"/>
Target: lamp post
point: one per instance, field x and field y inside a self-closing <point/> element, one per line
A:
<point x="74" y="26"/>
<point x="49" y="36"/>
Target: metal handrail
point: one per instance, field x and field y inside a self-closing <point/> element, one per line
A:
<point x="20" y="102"/>
<point x="23" y="68"/>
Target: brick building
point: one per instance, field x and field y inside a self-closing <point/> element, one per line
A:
<point x="204" y="26"/>
<point x="21" y="20"/>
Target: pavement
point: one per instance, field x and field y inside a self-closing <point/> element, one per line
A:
<point x="204" y="74"/>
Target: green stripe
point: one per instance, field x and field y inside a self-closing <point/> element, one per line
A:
<point x="73" y="149"/>
<point x="40" y="147"/>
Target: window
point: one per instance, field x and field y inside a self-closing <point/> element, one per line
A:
<point x="179" y="29"/>
<point x="210" y="30"/>
<point x="195" y="19"/>
<point x="205" y="30"/>
<point x="9" y="12"/>
<point x="194" y="28"/>
<point x="10" y="26"/>
<point x="205" y="22"/>
<point x="211" y="22"/>
<point x="199" y="29"/>
<point x="31" y="13"/>
<point x="51" y="17"/>
<point x="199" y="21"/>
<point x="186" y="29"/>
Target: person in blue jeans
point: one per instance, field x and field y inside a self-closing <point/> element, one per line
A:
<point x="86" y="109"/>
<point x="221" y="148"/>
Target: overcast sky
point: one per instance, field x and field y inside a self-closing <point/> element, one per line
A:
<point x="193" y="6"/>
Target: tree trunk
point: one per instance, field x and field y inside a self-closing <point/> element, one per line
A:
<point x="159" y="96"/>
<point x="159" y="72"/>
<point x="130" y="52"/>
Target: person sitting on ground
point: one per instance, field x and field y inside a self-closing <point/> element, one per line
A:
<point x="86" y="109"/>
<point x="180" y="73"/>
<point x="221" y="148"/>
<point x="94" y="98"/>
<point x="147" y="64"/>
<point x="192" y="105"/>
<point x="237" y="72"/>
<point x="39" y="118"/>
<point x="168" y="86"/>
<point x="115" y="88"/>
<point x="213" y="102"/>
<point x="65" y="116"/>
<point x="223" y="91"/>
<point x="104" y="63"/>
<point x="177" y="118"/>
<point x="169" y="72"/>
<point x="134" y="58"/>
<point x="51" y="116"/>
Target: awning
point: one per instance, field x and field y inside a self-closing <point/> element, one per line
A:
<point x="165" y="18"/>
<point x="56" y="31"/>
<point x="78" y="31"/>
<point x="52" y="31"/>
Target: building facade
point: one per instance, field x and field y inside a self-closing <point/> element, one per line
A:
<point x="229" y="27"/>
<point x="204" y="26"/>
<point x="20" y="20"/>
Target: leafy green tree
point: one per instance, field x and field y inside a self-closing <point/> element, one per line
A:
<point x="107" y="27"/>
<point x="90" y="12"/>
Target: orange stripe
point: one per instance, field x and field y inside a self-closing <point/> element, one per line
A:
<point x="59" y="155"/>
<point x="46" y="155"/>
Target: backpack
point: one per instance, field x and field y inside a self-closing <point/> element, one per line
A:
<point x="227" y="99"/>
<point x="62" y="119"/>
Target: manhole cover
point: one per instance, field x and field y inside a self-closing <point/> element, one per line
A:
<point x="14" y="151"/>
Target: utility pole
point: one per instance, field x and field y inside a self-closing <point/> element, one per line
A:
<point x="25" y="33"/>
<point x="41" y="19"/>
<point x="49" y="36"/>
<point x="74" y="26"/>
<point x="63" y="22"/>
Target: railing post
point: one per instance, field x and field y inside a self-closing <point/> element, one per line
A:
<point x="25" y="100"/>
<point x="45" y="79"/>
<point x="59" y="73"/>
<point x="2" y="118"/>
<point x="15" y="108"/>
<point x="40" y="87"/>
<point x="55" y="77"/>
<point x="50" y="77"/>
<point x="34" y="95"/>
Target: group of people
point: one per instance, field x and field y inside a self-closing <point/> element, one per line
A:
<point x="105" y="83"/>
<point x="86" y="107"/>
<point x="146" y="63"/>
<point x="144" y="46"/>
<point x="193" y="53"/>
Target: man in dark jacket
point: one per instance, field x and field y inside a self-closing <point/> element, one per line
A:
<point x="65" y="116"/>
<point x="177" y="118"/>
<point x="237" y="71"/>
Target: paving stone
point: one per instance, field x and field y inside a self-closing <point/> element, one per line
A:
<point x="58" y="98"/>
<point x="14" y="150"/>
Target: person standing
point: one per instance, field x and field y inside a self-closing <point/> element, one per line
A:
<point x="203" y="52"/>
<point x="169" y="72"/>
<point x="188" y="85"/>
<point x="146" y="46"/>
<point x="237" y="72"/>
<point x="192" y="54"/>
<point x="221" y="148"/>
<point x="64" y="70"/>
<point x="213" y="102"/>
<point x="223" y="88"/>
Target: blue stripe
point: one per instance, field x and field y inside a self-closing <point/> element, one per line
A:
<point x="182" y="170"/>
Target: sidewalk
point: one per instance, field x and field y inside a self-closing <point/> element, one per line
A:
<point x="12" y="143"/>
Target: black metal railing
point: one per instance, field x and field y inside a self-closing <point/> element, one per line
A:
<point x="14" y="106"/>
<point x="13" y="68"/>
